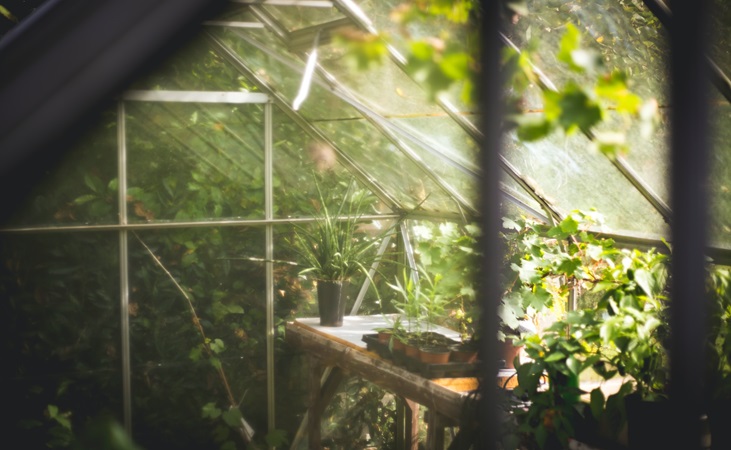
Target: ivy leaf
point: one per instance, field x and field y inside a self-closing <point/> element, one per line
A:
<point x="455" y="65"/>
<point x="232" y="417"/>
<point x="613" y="87"/>
<point x="217" y="346"/>
<point x="645" y="280"/>
<point x="570" y="41"/>
<point x="570" y="52"/>
<point x="569" y="266"/>
<point x="610" y="143"/>
<point x="539" y="300"/>
<point x="532" y="128"/>
<point x="195" y="354"/>
<point x="210" y="410"/>
<point x="527" y="271"/>
<point x="572" y="108"/>
<point x="594" y="252"/>
<point x="510" y="224"/>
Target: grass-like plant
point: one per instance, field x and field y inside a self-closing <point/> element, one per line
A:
<point x="335" y="248"/>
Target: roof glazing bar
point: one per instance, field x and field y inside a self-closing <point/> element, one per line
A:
<point x="301" y="39"/>
<point x="233" y="24"/>
<point x="351" y="10"/>
<point x="282" y="103"/>
<point x="718" y="77"/>
<point x="619" y="163"/>
<point x="457" y="162"/>
<point x="195" y="97"/>
<point x="377" y="120"/>
<point x="307" y="3"/>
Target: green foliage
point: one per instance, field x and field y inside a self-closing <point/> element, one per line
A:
<point x="545" y="263"/>
<point x="362" y="50"/>
<point x="335" y="248"/>
<point x="448" y="250"/>
<point x="576" y="106"/>
<point x="5" y="12"/>
<point x="361" y="415"/>
<point x="623" y="335"/>
<point x="718" y="344"/>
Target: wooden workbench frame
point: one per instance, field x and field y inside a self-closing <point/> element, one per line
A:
<point x="444" y="398"/>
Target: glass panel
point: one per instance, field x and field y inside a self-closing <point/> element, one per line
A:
<point x="284" y="72"/>
<point x="198" y="336"/>
<point x="194" y="162"/>
<point x="298" y="161"/>
<point x="384" y="87"/>
<point x="446" y="135"/>
<point x="401" y="177"/>
<point x="649" y="156"/>
<point x="719" y="187"/>
<point x="400" y="35"/>
<point x="572" y="176"/>
<point x="460" y="176"/>
<point x="82" y="187"/>
<point x="195" y="67"/>
<point x="381" y="157"/>
<point x="625" y="33"/>
<point x="60" y="335"/>
<point x="522" y="199"/>
<point x="296" y="17"/>
<point x="721" y="41"/>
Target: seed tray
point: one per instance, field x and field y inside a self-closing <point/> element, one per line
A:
<point x="447" y="370"/>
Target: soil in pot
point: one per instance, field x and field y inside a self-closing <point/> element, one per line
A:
<point x="434" y="354"/>
<point x="331" y="297"/>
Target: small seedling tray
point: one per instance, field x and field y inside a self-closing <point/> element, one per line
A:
<point x="447" y="370"/>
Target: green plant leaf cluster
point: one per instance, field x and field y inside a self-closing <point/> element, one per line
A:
<point x="544" y="263"/>
<point x="577" y="106"/>
<point x="335" y="247"/>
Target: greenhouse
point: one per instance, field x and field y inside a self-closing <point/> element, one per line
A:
<point x="227" y="224"/>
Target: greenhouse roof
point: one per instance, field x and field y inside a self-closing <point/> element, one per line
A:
<point x="416" y="153"/>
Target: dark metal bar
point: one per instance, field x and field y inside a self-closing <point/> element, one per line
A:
<point x="490" y="92"/>
<point x="690" y="150"/>
<point x="718" y="77"/>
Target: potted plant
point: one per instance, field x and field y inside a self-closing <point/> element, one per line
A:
<point x="334" y="249"/>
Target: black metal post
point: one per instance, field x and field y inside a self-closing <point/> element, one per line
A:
<point x="490" y="91"/>
<point x="690" y="148"/>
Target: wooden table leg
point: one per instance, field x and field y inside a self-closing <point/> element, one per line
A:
<point x="407" y="424"/>
<point x="435" y="431"/>
<point x="314" y="413"/>
<point x="321" y="393"/>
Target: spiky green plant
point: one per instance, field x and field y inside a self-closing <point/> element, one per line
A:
<point x="334" y="247"/>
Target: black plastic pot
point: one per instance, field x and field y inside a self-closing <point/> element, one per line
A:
<point x="647" y="423"/>
<point x="331" y="296"/>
